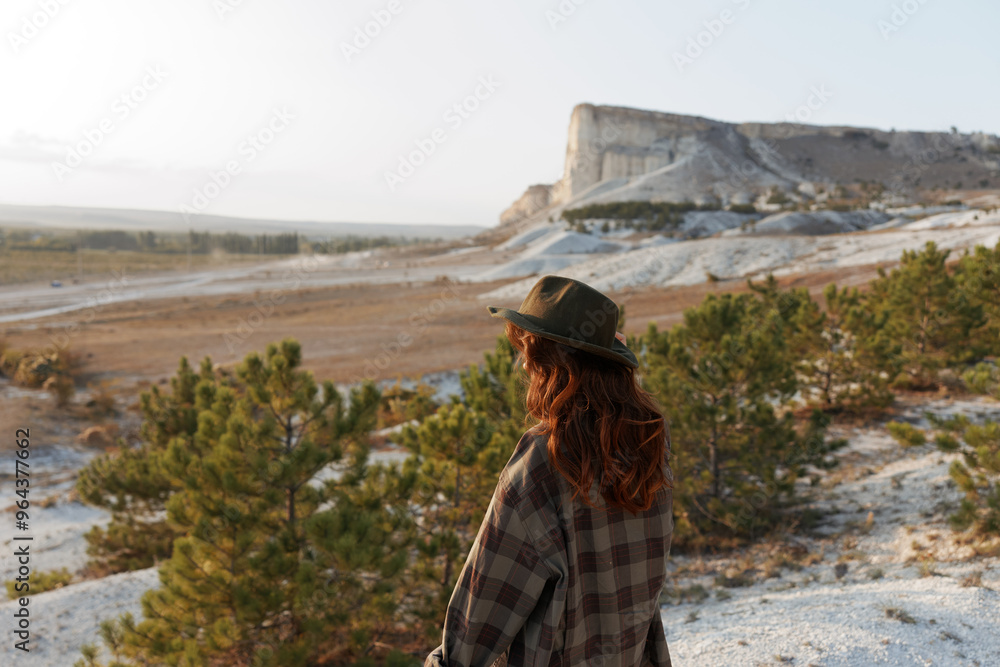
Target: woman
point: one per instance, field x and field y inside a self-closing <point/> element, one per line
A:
<point x="571" y="556"/>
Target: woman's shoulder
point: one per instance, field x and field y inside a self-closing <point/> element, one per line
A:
<point x="527" y="474"/>
<point x="528" y="488"/>
<point x="530" y="453"/>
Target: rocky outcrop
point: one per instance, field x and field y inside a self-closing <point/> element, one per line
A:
<point x="813" y="223"/>
<point x="610" y="143"/>
<point x="534" y="199"/>
<point x="621" y="154"/>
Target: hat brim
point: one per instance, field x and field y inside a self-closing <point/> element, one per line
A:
<point x="617" y="352"/>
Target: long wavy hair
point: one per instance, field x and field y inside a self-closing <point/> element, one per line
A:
<point x="601" y="424"/>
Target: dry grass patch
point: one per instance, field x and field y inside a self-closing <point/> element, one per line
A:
<point x="696" y="593"/>
<point x="898" y="614"/>
<point x="975" y="579"/>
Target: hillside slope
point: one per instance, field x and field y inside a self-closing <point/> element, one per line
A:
<point x="621" y="154"/>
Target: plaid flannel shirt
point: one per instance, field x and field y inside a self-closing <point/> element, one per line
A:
<point x="552" y="581"/>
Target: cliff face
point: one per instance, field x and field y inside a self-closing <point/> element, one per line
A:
<point x="619" y="154"/>
<point x="534" y="199"/>
<point x="607" y="143"/>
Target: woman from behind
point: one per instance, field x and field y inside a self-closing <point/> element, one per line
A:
<point x="570" y="559"/>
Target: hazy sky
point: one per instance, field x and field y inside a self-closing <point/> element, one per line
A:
<point x="154" y="96"/>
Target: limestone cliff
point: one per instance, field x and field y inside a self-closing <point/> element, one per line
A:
<point x="534" y="199"/>
<point x="619" y="154"/>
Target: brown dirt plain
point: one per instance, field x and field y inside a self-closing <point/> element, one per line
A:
<point x="347" y="332"/>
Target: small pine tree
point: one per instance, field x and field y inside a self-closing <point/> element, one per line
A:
<point x="496" y="387"/>
<point x="458" y="454"/>
<point x="497" y="390"/>
<point x="978" y="476"/>
<point x="983" y="378"/>
<point x="133" y="484"/>
<point x="976" y="472"/>
<point x="272" y="566"/>
<point x="928" y="314"/>
<point x="719" y="375"/>
<point x="450" y="492"/>
<point x="400" y="405"/>
<point x="841" y="365"/>
<point x="843" y="357"/>
<point x="978" y="279"/>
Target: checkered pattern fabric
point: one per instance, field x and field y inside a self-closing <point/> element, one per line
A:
<point x="553" y="581"/>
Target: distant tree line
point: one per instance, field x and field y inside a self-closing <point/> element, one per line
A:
<point x="654" y="215"/>
<point x="290" y="243"/>
<point x="642" y="215"/>
<point x="344" y="244"/>
<point x="262" y="244"/>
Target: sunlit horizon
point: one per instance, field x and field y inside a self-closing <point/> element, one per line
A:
<point x="301" y="111"/>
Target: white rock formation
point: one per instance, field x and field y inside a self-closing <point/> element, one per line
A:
<point x="620" y="154"/>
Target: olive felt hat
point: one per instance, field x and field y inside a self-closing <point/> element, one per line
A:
<point x="572" y="313"/>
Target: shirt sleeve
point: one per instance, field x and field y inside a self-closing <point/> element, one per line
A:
<point x="497" y="590"/>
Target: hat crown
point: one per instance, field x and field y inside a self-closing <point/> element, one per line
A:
<point x="572" y="309"/>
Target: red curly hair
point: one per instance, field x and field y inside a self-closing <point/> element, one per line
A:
<point x="601" y="424"/>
